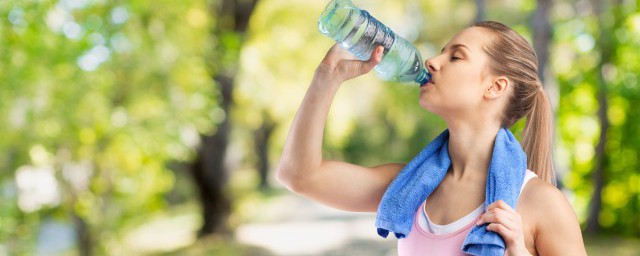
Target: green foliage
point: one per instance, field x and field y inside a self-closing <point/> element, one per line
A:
<point x="100" y="95"/>
<point x="577" y="113"/>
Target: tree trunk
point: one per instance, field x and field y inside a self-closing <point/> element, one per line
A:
<point x="480" y="10"/>
<point x="542" y="36"/>
<point x="208" y="169"/>
<point x="261" y="140"/>
<point x="83" y="231"/>
<point x="83" y="238"/>
<point x="210" y="173"/>
<point x="598" y="174"/>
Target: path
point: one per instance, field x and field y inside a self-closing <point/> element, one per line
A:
<point x="293" y="225"/>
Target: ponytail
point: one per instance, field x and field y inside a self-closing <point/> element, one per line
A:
<point x="537" y="138"/>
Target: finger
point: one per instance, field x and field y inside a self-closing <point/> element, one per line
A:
<point x="497" y="216"/>
<point x="377" y="52"/>
<point x="376" y="57"/>
<point x="502" y="205"/>
<point x="500" y="229"/>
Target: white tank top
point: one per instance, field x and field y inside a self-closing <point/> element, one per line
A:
<point x="426" y="224"/>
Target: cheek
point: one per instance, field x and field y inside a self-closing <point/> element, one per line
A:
<point x="466" y="87"/>
<point x="464" y="95"/>
<point x="461" y="90"/>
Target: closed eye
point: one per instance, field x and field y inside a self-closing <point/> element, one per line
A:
<point x="454" y="58"/>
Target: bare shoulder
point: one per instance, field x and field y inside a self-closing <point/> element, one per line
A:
<point x="556" y="227"/>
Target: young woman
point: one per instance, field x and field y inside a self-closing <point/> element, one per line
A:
<point x="485" y="78"/>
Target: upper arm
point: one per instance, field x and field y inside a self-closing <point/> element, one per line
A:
<point x="347" y="186"/>
<point x="557" y="228"/>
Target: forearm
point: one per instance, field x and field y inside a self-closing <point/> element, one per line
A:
<point x="302" y="153"/>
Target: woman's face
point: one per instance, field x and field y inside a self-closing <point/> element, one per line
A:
<point x="460" y="75"/>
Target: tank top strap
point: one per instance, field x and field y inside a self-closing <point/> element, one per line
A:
<point x="528" y="175"/>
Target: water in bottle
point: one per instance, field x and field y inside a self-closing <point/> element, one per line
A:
<point x="359" y="32"/>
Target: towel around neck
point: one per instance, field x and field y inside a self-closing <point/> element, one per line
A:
<point x="418" y="179"/>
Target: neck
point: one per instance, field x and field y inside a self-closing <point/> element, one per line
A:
<point x="470" y="148"/>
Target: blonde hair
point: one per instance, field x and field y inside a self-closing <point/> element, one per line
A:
<point x="511" y="55"/>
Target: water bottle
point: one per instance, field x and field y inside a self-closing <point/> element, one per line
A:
<point x="358" y="32"/>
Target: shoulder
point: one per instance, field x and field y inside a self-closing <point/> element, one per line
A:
<point x="538" y="193"/>
<point x="555" y="222"/>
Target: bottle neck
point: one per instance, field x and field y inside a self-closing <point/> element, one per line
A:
<point x="423" y="78"/>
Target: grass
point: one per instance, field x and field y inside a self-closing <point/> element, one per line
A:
<point x="611" y="245"/>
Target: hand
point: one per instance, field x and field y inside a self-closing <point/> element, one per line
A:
<point x="340" y="65"/>
<point x="505" y="221"/>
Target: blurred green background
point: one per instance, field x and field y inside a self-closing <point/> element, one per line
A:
<point x="154" y="127"/>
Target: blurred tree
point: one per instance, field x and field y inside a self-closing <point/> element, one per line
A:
<point x="542" y="37"/>
<point x="606" y="47"/>
<point x="261" y="137"/>
<point x="481" y="6"/>
<point x="209" y="170"/>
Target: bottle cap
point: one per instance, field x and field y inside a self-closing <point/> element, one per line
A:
<point x="423" y="78"/>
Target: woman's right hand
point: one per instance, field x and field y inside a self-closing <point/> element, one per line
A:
<point x="340" y="65"/>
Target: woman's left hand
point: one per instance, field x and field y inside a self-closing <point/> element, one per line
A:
<point x="505" y="221"/>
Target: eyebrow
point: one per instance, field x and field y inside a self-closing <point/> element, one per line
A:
<point x="456" y="46"/>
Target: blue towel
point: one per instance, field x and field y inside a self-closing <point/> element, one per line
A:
<point x="417" y="180"/>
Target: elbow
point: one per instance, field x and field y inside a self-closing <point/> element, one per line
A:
<point x="288" y="178"/>
<point x="284" y="176"/>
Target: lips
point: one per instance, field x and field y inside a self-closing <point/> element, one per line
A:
<point x="428" y="83"/>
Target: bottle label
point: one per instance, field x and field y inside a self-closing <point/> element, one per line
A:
<point x="375" y="33"/>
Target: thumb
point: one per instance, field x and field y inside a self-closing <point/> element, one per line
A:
<point x="376" y="57"/>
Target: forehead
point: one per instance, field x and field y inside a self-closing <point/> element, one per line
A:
<point x="473" y="38"/>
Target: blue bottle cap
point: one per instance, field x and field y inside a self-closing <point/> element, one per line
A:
<point x="423" y="78"/>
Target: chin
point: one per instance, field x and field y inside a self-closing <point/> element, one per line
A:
<point x="433" y="105"/>
<point x="424" y="103"/>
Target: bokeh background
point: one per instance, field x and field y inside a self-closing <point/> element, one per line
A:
<point x="154" y="127"/>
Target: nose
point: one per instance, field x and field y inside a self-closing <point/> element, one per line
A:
<point x="431" y="64"/>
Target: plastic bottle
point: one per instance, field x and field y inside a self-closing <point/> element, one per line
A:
<point x="359" y="32"/>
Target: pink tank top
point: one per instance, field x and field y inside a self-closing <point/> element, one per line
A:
<point x="421" y="241"/>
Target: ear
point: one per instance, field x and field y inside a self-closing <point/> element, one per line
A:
<point x="498" y="87"/>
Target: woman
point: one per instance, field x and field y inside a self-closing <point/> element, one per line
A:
<point x="485" y="78"/>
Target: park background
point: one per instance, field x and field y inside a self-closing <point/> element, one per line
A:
<point x="154" y="127"/>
